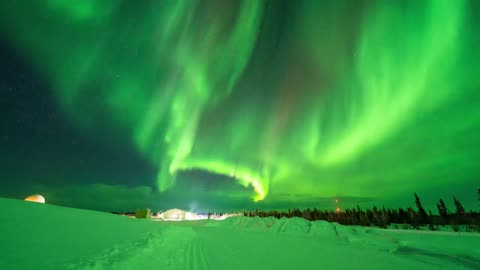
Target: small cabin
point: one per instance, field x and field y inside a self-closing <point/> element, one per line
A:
<point x="143" y="213"/>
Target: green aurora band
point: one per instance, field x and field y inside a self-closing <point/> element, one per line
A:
<point x="318" y="98"/>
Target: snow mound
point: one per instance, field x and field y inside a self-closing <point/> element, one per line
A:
<point x="325" y="229"/>
<point x="251" y="224"/>
<point x="295" y="225"/>
<point x="291" y="226"/>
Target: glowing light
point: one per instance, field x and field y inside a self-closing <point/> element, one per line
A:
<point x="35" y="198"/>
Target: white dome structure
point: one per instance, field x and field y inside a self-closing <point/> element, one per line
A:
<point x="35" y="198"/>
<point x="174" y="214"/>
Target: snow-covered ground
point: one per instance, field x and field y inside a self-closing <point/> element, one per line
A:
<point x="37" y="236"/>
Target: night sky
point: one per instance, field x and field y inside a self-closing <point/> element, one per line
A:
<point x="231" y="105"/>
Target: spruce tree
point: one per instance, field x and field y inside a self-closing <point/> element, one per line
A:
<point x="412" y="217"/>
<point x="442" y="209"/>
<point x="421" y="210"/>
<point x="459" y="207"/>
<point x="460" y="217"/>
<point x="439" y="208"/>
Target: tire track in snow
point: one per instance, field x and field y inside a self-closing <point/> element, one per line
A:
<point x="197" y="259"/>
<point x="119" y="256"/>
<point x="177" y="247"/>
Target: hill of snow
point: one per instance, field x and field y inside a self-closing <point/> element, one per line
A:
<point x="42" y="236"/>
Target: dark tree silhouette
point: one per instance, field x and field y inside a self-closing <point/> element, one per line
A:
<point x="423" y="218"/>
<point x="459" y="207"/>
<point x="442" y="210"/>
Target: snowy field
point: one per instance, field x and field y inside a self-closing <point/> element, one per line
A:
<point x="37" y="236"/>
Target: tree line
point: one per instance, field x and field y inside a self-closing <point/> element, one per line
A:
<point x="383" y="217"/>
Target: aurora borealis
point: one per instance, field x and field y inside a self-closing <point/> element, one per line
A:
<point x="289" y="99"/>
